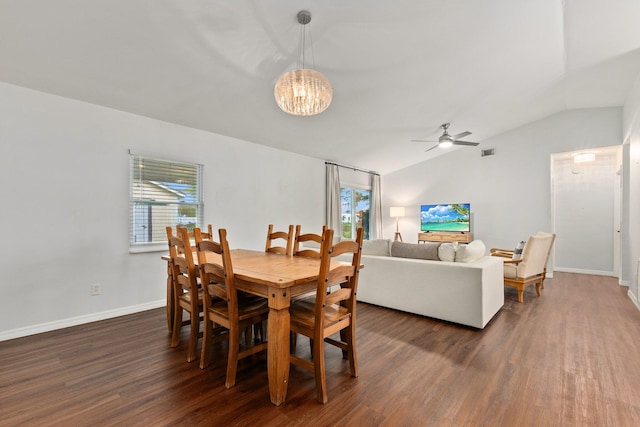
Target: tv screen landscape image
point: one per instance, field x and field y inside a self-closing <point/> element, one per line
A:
<point x="445" y="217"/>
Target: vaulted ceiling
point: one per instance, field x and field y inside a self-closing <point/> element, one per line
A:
<point x="398" y="68"/>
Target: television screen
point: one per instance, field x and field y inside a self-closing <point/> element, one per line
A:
<point x="445" y="217"/>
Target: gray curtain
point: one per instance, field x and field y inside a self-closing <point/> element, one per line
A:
<point x="333" y="218"/>
<point x="375" y="215"/>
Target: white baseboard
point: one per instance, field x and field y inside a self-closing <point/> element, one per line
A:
<point x="79" y="320"/>
<point x="581" y="271"/>
<point x="633" y="298"/>
<point x="623" y="283"/>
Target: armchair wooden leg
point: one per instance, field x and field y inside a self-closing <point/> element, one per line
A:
<point x="520" y="293"/>
<point x="538" y="286"/>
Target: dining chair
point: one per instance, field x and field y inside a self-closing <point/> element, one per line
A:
<point x="272" y="236"/>
<point x="208" y="235"/>
<point x="332" y="310"/>
<point x="186" y="294"/>
<point x="301" y="250"/>
<point x="224" y="307"/>
<point x="200" y="235"/>
<point x="204" y="235"/>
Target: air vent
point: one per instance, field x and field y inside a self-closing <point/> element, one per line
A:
<point x="488" y="152"/>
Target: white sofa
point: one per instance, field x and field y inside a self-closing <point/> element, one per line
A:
<point x="468" y="293"/>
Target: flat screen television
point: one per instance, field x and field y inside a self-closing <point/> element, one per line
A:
<point x="445" y="217"/>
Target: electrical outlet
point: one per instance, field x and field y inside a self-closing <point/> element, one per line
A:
<point x="95" y="289"/>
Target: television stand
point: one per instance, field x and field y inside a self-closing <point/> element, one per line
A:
<point x="435" y="236"/>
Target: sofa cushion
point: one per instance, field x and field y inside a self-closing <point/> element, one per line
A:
<point x="447" y="251"/>
<point x="471" y="252"/>
<point x="378" y="247"/>
<point x="428" y="250"/>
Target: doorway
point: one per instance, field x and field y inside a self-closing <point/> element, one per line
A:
<point x="585" y="203"/>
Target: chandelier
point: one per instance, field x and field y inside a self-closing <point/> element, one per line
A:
<point x="303" y="92"/>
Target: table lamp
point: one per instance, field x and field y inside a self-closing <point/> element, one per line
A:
<point x="397" y="212"/>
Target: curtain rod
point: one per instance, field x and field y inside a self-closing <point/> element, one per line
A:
<point x="352" y="168"/>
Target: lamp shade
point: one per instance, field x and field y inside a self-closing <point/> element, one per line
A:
<point x="303" y="92"/>
<point x="396" y="211"/>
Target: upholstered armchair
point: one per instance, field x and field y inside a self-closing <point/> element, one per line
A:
<point x="530" y="268"/>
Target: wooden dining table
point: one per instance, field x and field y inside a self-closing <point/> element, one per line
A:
<point x="277" y="278"/>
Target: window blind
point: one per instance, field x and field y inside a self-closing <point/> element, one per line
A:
<point x="162" y="193"/>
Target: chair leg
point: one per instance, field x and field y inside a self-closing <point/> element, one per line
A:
<point x="259" y="331"/>
<point x="170" y="302"/>
<point x="320" y="375"/>
<point x="232" y="359"/>
<point x="248" y="336"/>
<point x="177" y="325"/>
<point x="538" y="286"/>
<point x="344" y="338"/>
<point x="193" y="337"/>
<point x="350" y="339"/>
<point x="207" y="337"/>
<point x="520" y="294"/>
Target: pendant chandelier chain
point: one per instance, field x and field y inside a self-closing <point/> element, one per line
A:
<point x="305" y="21"/>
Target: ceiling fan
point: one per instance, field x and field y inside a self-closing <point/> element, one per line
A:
<point x="446" y="140"/>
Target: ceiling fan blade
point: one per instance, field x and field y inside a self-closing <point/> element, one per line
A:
<point x="435" y="146"/>
<point x="466" y="143"/>
<point x="423" y="140"/>
<point x="461" y="135"/>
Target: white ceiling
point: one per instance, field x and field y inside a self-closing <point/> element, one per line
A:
<point x="398" y="68"/>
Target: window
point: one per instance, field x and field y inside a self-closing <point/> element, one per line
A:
<point x="355" y="210"/>
<point x="162" y="193"/>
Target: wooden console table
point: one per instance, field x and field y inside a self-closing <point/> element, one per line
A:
<point x="445" y="237"/>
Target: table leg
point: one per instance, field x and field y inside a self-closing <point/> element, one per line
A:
<point x="169" y="298"/>
<point x="278" y="349"/>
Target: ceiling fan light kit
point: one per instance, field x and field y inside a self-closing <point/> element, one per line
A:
<point x="304" y="91"/>
<point x="446" y="140"/>
<point x="445" y="144"/>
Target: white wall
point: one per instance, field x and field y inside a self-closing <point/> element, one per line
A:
<point x="510" y="191"/>
<point x="64" y="173"/>
<point x="632" y="137"/>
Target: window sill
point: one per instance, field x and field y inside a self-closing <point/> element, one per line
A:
<point x="149" y="247"/>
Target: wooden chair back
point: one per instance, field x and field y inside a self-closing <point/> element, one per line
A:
<point x="345" y="276"/>
<point x="299" y="250"/>
<point x="200" y="235"/>
<point x="217" y="277"/>
<point x="178" y="234"/>
<point x="333" y="310"/>
<point x="287" y="236"/>
<point x="226" y="308"/>
<point x="186" y="294"/>
<point x="203" y="235"/>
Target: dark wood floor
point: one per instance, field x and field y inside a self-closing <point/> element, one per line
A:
<point x="570" y="357"/>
